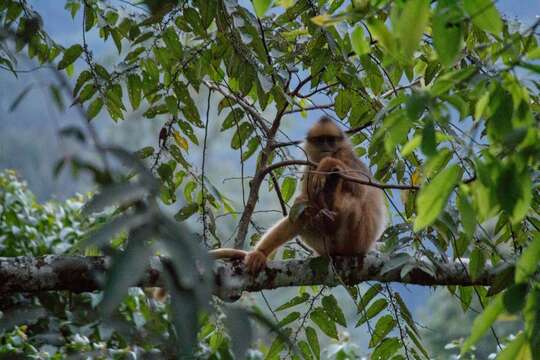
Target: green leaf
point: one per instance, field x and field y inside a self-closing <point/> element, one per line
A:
<point x="81" y="80"/>
<point x="433" y="197"/>
<point x="513" y="189"/>
<point x="370" y="294"/>
<point x="171" y="40"/>
<point x="70" y="55"/>
<point x="531" y="317"/>
<point x="477" y="263"/>
<point x="467" y="214"/>
<point x="518" y="349"/>
<point x="233" y="118"/>
<point x="465" y="297"/>
<point x="113" y="195"/>
<point x="411" y="145"/>
<point x="288" y="187"/>
<point x="343" y="104"/>
<point x="134" y="90"/>
<point x="261" y="6"/>
<point x="305" y="350"/>
<point x="275" y="349"/>
<point x="448" y="31"/>
<point x="86" y="93"/>
<point x="324" y="322"/>
<point x="481" y="105"/>
<point x="241" y="135"/>
<point x="145" y="152"/>
<point x="252" y="146"/>
<point x="411" y="25"/>
<point x="89" y="18"/>
<point x="484" y="14"/>
<point x="289" y="319"/>
<point x="187" y="129"/>
<point x="134" y="54"/>
<point x="501" y="106"/>
<point x="384" y="325"/>
<point x="331" y="307"/>
<point x="528" y="262"/>
<point x="378" y="306"/>
<point x="313" y="341"/>
<point x="172" y="105"/>
<point x="413" y="336"/>
<point x="386" y="349"/>
<point x="297" y="300"/>
<point x="514" y="298"/>
<point x="483" y="322"/>
<point x="380" y="32"/>
<point x="107" y="232"/>
<point x="429" y="142"/>
<point x="405" y="312"/>
<point x="359" y="42"/>
<point x="186" y="211"/>
<point x="188" y="190"/>
<point x="125" y="271"/>
<point x="94" y="108"/>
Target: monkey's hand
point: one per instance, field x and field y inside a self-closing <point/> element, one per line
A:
<point x="316" y="184"/>
<point x="255" y="261"/>
<point x="331" y="165"/>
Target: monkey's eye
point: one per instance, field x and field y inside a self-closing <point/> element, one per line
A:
<point x="329" y="140"/>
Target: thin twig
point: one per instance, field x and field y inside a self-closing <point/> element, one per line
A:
<point x="311" y="108"/>
<point x="203" y="174"/>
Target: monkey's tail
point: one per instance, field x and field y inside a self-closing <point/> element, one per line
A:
<point x="227" y="253"/>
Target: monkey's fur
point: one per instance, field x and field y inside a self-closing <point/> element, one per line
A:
<point x="340" y="217"/>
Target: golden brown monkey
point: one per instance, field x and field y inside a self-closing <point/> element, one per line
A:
<point x="341" y="217"/>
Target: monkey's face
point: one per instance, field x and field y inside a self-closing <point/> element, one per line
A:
<point x="324" y="139"/>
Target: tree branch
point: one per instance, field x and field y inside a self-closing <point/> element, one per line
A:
<point x="367" y="181"/>
<point x="85" y="273"/>
<point x="261" y="121"/>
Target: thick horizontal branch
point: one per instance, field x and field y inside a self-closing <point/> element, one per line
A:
<point x="349" y="271"/>
<point x="86" y="273"/>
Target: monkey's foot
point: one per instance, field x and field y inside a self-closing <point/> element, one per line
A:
<point x="325" y="221"/>
<point x="326" y="215"/>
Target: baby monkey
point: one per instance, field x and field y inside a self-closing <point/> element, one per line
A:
<point x="341" y="217"/>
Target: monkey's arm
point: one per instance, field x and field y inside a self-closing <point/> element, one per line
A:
<point x="227" y="253"/>
<point x="317" y="179"/>
<point x="277" y="235"/>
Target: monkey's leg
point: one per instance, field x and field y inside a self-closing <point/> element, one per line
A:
<point x="277" y="235"/>
<point x="328" y="202"/>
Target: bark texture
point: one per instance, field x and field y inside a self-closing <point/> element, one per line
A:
<point x="86" y="273"/>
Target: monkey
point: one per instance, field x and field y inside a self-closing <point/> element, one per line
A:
<point x="341" y="217"/>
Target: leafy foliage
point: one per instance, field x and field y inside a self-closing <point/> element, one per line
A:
<point x="441" y="97"/>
